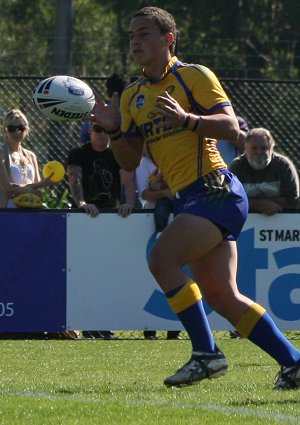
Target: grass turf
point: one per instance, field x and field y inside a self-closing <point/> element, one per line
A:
<point x="120" y="382"/>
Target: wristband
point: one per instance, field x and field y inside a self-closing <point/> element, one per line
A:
<point x="196" y="124"/>
<point x="116" y="136"/>
<point x="186" y="121"/>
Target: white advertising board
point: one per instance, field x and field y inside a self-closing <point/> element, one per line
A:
<point x="109" y="285"/>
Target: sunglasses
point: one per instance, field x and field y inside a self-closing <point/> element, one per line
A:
<point x="98" y="128"/>
<point x="14" y="128"/>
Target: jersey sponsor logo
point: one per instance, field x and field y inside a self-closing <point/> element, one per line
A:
<point x="151" y="128"/>
<point x="140" y="101"/>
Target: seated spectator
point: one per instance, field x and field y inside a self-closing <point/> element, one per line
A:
<point x="231" y="149"/>
<point x="270" y="179"/>
<point x="154" y="193"/>
<point x="95" y="181"/>
<point x="19" y="170"/>
<point x="19" y="174"/>
<point x="95" y="176"/>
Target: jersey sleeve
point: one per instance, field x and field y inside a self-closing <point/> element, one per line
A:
<point x="207" y="90"/>
<point x="128" y="125"/>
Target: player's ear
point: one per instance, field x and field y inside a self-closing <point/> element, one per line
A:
<point x="170" y="38"/>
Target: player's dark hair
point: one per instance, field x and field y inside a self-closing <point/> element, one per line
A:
<point x="163" y="19"/>
<point x="116" y="83"/>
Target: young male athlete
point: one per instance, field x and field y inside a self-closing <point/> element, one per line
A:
<point x="179" y="110"/>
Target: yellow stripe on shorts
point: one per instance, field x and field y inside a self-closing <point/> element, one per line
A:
<point x="249" y="319"/>
<point x="187" y="296"/>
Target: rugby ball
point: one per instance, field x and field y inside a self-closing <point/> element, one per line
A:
<point x="63" y="98"/>
<point x="28" y="200"/>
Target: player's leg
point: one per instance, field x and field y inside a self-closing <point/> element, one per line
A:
<point x="163" y="209"/>
<point x="187" y="237"/>
<point x="251" y="320"/>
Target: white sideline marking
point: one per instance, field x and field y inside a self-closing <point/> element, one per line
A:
<point x="227" y="410"/>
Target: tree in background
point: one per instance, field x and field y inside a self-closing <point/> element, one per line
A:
<point x="236" y="38"/>
<point x="62" y="38"/>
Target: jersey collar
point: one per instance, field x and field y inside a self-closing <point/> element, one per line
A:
<point x="173" y="62"/>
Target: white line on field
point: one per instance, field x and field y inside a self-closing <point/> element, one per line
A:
<point x="227" y="410"/>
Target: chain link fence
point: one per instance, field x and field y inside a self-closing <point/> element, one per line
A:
<point x="274" y="105"/>
<point x="271" y="104"/>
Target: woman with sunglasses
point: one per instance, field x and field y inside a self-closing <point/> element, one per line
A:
<point x="19" y="172"/>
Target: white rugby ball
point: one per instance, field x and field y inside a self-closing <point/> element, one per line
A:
<point x="63" y="98"/>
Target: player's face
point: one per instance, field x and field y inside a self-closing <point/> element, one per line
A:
<point x="147" y="44"/>
<point x="258" y="151"/>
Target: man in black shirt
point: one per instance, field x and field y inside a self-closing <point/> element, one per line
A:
<point x="95" y="176"/>
<point x="95" y="182"/>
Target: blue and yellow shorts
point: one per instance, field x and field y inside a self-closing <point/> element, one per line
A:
<point x="219" y="197"/>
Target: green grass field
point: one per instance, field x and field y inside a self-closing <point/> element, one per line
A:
<point x="120" y="382"/>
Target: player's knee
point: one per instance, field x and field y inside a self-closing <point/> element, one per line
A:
<point x="215" y="300"/>
<point x="221" y="303"/>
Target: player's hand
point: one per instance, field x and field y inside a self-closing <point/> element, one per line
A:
<point x="173" y="114"/>
<point x="107" y="115"/>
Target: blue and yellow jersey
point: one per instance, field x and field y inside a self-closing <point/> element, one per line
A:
<point x="181" y="155"/>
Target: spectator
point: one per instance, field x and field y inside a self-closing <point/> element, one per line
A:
<point x="95" y="183"/>
<point x="115" y="83"/>
<point x="154" y="193"/>
<point x="19" y="171"/>
<point x="230" y="149"/>
<point x="19" y="174"/>
<point x="270" y="179"/>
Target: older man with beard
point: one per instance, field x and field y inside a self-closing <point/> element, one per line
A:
<point x="270" y="179"/>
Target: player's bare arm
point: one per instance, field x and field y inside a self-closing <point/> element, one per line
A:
<point x="222" y="124"/>
<point x="127" y="151"/>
